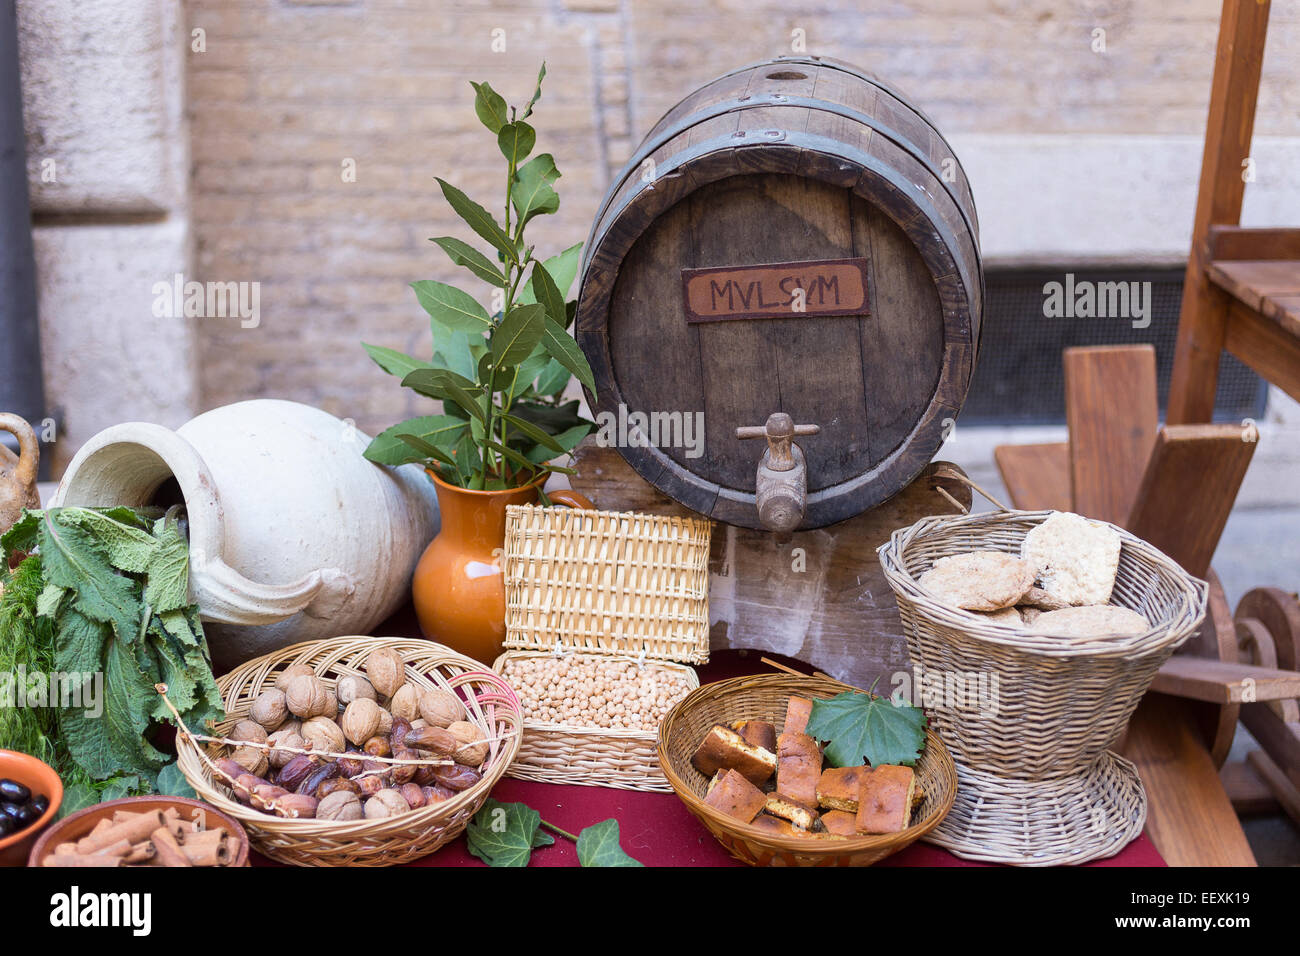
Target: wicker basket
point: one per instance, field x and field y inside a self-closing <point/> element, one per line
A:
<point x="620" y="585"/>
<point x="764" y="697"/>
<point x="492" y="706"/>
<point x="1061" y="701"/>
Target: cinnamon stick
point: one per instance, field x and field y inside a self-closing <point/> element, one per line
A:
<point x="166" y="850"/>
<point x="132" y="830"/>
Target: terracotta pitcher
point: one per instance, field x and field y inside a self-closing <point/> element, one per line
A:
<point x="458" y="587"/>
<point x="18" y="472"/>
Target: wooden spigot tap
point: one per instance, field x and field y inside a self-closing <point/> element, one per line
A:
<point x="781" y="485"/>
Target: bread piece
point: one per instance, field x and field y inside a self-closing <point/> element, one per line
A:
<point x="714" y="781"/>
<point x="799" y="767"/>
<point x="736" y="797"/>
<point x="1040" y="599"/>
<point x="797" y="712"/>
<point x="978" y="580"/>
<point x="775" y="825"/>
<point x="840" y="822"/>
<point x="803" y="816"/>
<point x="724" y="749"/>
<point x="1074" y="558"/>
<point x="886" y="804"/>
<point x="918" y="795"/>
<point x="1095" y="620"/>
<point x="1007" y="615"/>
<point x="759" y="733"/>
<point x="838" y="788"/>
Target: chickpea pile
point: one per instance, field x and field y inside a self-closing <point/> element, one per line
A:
<point x="590" y="691"/>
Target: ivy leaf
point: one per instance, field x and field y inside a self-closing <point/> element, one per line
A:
<point x="598" y="846"/>
<point x="394" y="362"/>
<point x="450" y="307"/>
<point x="517" y="335"/>
<point x="463" y="254"/>
<point x="505" y="834"/>
<point x="862" y="727"/>
<point x="490" y="106"/>
<point x="480" y="220"/>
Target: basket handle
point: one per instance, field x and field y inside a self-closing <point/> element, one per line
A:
<point x="954" y="474"/>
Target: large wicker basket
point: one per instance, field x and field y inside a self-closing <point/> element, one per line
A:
<point x="764" y="697"/>
<point x="491" y="703"/>
<point x="621" y="585"/>
<point x="1039" y="785"/>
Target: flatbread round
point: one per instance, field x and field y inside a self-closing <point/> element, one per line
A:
<point x="1074" y="558"/>
<point x="1095" y="620"/>
<point x="979" y="581"/>
<point x="1007" y="615"/>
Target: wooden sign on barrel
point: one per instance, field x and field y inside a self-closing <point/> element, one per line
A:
<point x="791" y="253"/>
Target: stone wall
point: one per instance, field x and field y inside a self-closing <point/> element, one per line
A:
<point x="1080" y="124"/>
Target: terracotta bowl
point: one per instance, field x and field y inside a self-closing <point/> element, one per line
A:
<point x="77" y="825"/>
<point x="40" y="778"/>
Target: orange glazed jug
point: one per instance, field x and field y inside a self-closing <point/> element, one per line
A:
<point x="458" y="587"/>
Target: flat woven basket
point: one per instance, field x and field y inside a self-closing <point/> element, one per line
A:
<point x="622" y="585"/>
<point x="764" y="697"/>
<point x="1061" y="702"/>
<point x="492" y="706"/>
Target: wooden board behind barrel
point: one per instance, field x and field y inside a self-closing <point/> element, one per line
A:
<point x="830" y="607"/>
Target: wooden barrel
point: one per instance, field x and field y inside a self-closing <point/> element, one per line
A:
<point x="794" y="236"/>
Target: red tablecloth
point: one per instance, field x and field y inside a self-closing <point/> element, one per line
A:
<point x="656" y="828"/>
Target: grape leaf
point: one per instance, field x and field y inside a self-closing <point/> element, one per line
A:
<point x="505" y="834"/>
<point x="598" y="846"/>
<point x="861" y="727"/>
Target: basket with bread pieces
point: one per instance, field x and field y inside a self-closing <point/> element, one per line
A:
<point x="740" y="756"/>
<point x="1072" y="617"/>
<point x="605" y="613"/>
<point x="354" y="750"/>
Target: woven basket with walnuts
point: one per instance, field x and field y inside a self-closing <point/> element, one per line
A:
<point x="355" y="751"/>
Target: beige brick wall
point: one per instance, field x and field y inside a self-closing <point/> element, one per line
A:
<point x="288" y="89"/>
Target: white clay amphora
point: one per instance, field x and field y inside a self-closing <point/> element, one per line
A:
<point x="294" y="535"/>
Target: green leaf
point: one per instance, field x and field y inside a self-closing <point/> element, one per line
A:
<point x="128" y="548"/>
<point x="532" y="193"/>
<point x="518" y="459"/>
<point x="547" y="293"/>
<point x="463" y="254"/>
<point x="440" y="430"/>
<point x="516" y="140"/>
<point x="47" y="605"/>
<point x="73" y="559"/>
<point x="22" y="536"/>
<point x="480" y="220"/>
<point x="490" y="106"/>
<point x="446" y="385"/>
<point x="862" y="727"/>
<point x="536" y="434"/>
<point x="517" y="335"/>
<point x="561" y="347"/>
<point x="454" y="351"/>
<point x="450" y="307"/>
<point x="563" y="269"/>
<point x="537" y="93"/>
<point x="505" y="834"/>
<point x="427" y="450"/>
<point x="167" y="578"/>
<point x="553" y="418"/>
<point x="598" y="846"/>
<point x="173" y="783"/>
<point x="553" y="379"/>
<point x="394" y="362"/>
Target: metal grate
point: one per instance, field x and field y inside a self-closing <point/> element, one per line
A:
<point x="1019" y="380"/>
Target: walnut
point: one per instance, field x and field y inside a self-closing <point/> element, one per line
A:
<point x="270" y="709"/>
<point x="441" y="708"/>
<point x="331" y="708"/>
<point x="361" y="720"/>
<point x="386" y="803"/>
<point x="289" y="673"/>
<point x="385" y="722"/>
<point x="386" y="670"/>
<point x="353" y="688"/>
<point x="248" y="730"/>
<point x="406" y="702"/>
<point x="251" y="759"/>
<point x="473" y="752"/>
<point x="339" y="805"/>
<point x="324" y="735"/>
<point x="307" y="697"/>
<point x="284" y="738"/>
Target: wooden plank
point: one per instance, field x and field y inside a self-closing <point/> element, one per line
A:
<point x="1188" y="490"/>
<point x="1246" y="789"/>
<point x="1223" y="682"/>
<point x="1189" y="816"/>
<point x="1265" y="346"/>
<point x="1239" y="242"/>
<point x="1037" y="477"/>
<point x="1112" y="413"/>
<point x="1283" y="788"/>
<point x="1239" y="56"/>
<point x="1280" y="738"/>
<point x="1260" y="285"/>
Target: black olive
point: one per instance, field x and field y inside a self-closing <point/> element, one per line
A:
<point x="7" y="826"/>
<point x="11" y="791"/>
<point x="41" y="803"/>
<point x="12" y="810"/>
<point x="28" y="815"/>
